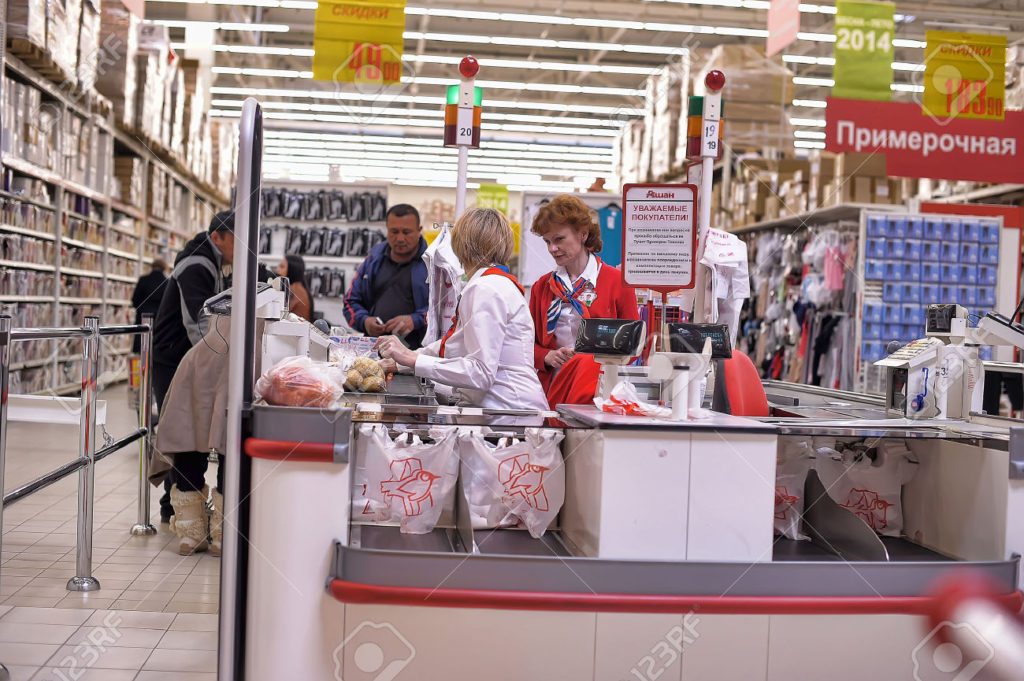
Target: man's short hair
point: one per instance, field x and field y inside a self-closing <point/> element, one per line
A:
<point x="401" y="210"/>
<point x="223" y="221"/>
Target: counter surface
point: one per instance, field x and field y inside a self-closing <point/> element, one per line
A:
<point x="592" y="417"/>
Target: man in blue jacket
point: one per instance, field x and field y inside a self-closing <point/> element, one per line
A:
<point x="389" y="293"/>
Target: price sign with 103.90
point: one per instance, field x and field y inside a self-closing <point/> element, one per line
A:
<point x="964" y="76"/>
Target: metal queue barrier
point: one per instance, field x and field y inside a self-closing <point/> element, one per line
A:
<point x="89" y="454"/>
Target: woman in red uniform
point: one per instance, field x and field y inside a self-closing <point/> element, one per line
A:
<point x="582" y="287"/>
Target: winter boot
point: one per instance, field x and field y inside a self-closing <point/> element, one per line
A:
<point x="190" y="521"/>
<point x="216" y="522"/>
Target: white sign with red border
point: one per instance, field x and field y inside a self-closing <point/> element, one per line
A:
<point x="659" y="236"/>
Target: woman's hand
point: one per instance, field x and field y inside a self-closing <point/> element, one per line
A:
<point x="556" y="358"/>
<point x="390" y="347"/>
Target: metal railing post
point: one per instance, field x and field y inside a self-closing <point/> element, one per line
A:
<point x="143" y="526"/>
<point x="83" y="579"/>
<point x="5" y="357"/>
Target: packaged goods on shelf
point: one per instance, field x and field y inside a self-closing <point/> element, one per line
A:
<point x="25" y="249"/>
<point x="27" y="216"/>
<point x="88" y="46"/>
<point x="27" y="21"/>
<point x="671" y="88"/>
<point x="156" y="196"/>
<point x="225" y="145"/>
<point x="627" y="152"/>
<point x="130" y="172"/>
<point x="119" y="42"/>
<point x="178" y="95"/>
<point x="63" y="42"/>
<point x="149" y="94"/>
<point x="15" y="282"/>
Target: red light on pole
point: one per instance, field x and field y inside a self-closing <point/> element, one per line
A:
<point x="469" y="67"/>
<point x="715" y="80"/>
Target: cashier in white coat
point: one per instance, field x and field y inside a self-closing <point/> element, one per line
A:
<point x="487" y="354"/>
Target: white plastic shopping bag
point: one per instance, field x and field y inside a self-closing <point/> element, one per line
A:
<point x="514" y="482"/>
<point x="872" y="490"/>
<point x="794" y="460"/>
<point x="404" y="479"/>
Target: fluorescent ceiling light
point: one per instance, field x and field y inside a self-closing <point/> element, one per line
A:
<point x="264" y="49"/>
<point x="819" y="82"/>
<point x="432" y="149"/>
<point x="809" y="134"/>
<point x="267" y="73"/>
<point x="810" y="103"/>
<point x="535" y="87"/>
<point x="830" y="61"/>
<point x="358" y="137"/>
<point x="907" y="87"/>
<point x="421" y="99"/>
<point x="808" y="122"/>
<point x="223" y="26"/>
<point x="804" y="144"/>
<point x="534" y="65"/>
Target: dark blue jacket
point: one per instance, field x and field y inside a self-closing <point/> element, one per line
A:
<point x="359" y="300"/>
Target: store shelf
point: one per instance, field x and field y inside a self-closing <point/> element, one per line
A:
<point x="81" y="244"/>
<point x="28" y="232"/>
<point x="846" y="211"/>
<point x="319" y="259"/>
<point x="31" y="364"/>
<point x="79" y="216"/>
<point x="127" y="209"/>
<point x="122" y="277"/>
<point x="27" y="266"/>
<point x="69" y="357"/>
<point x="79" y="301"/>
<point x="119" y="302"/>
<point x="121" y="230"/>
<point x="123" y="254"/>
<point x="26" y="299"/>
<point x="81" y="273"/>
<point x="166" y="226"/>
<point x="26" y="168"/>
<point x="29" y="200"/>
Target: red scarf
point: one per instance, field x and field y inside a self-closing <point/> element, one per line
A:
<point x="455" y="318"/>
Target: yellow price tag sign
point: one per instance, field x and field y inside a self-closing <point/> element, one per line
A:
<point x="964" y="76"/>
<point x="358" y="41"/>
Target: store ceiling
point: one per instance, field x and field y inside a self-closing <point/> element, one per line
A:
<point x="560" y="77"/>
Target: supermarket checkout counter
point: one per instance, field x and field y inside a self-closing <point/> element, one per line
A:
<point x="661" y="561"/>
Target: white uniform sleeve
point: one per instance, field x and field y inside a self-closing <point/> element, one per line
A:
<point x="432" y="350"/>
<point x="483" y="335"/>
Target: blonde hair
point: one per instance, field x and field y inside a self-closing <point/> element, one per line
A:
<point x="482" y="237"/>
<point x="566" y="210"/>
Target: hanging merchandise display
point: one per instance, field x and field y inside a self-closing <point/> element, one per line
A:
<point x="610" y="219"/>
<point x="729" y="284"/>
<point x="864" y="50"/>
<point x="964" y="76"/>
<point x="444" y="279"/>
<point x="360" y="42"/>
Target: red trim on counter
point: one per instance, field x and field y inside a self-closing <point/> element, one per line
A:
<point x="351" y="592"/>
<point x="276" y="450"/>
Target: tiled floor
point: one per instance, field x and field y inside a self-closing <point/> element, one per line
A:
<point x="154" y="615"/>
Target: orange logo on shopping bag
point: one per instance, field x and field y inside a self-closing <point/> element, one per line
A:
<point x="524" y="479"/>
<point x="783" y="502"/>
<point x="869" y="507"/>
<point x="410" y="483"/>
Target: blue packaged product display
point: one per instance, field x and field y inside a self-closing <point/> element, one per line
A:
<point x="950" y="273"/>
<point x="909" y="293"/>
<point x="910" y="271"/>
<point x="915" y="228"/>
<point x="968" y="252"/>
<point x="894" y="249"/>
<point x="871" y="352"/>
<point x="875" y="248"/>
<point x="947" y="294"/>
<point x="931" y="272"/>
<point x="971" y="231"/>
<point x="891" y="292"/>
<point x="914" y="315"/>
<point x="987" y="275"/>
<point x="988" y="254"/>
<point x="897" y="228"/>
<point x="934" y="228"/>
<point x="872" y="330"/>
<point x="930" y="250"/>
<point x="891" y="332"/>
<point x="951" y="230"/>
<point x="912" y="249"/>
<point x="988" y="232"/>
<point x="966" y="296"/>
<point x="985" y="353"/>
<point x="873" y="312"/>
<point x="969" y="274"/>
<point x="912" y="331"/>
<point x="877" y="226"/>
<point x="893" y="314"/>
<point x="929" y="294"/>
<point x="874" y="270"/>
<point x="948" y="251"/>
<point x="986" y="297"/>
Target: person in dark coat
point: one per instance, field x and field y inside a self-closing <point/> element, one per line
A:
<point x="147" y="294"/>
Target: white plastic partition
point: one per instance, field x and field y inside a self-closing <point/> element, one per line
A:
<point x="240" y="378"/>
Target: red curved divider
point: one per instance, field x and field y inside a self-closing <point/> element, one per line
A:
<point x="352" y="592"/>
<point x="276" y="450"/>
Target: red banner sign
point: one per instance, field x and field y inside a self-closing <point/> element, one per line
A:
<point x="922" y="146"/>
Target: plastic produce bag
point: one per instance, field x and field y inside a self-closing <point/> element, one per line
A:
<point x="625" y="400"/>
<point x="792" y="464"/>
<point x="405" y="479"/>
<point x="514" y="482"/>
<point x="301" y="382"/>
<point x="870" y="489"/>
